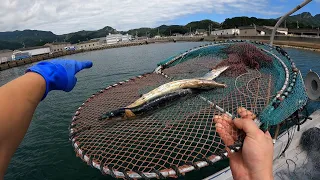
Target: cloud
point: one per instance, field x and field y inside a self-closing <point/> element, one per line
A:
<point x="74" y="15"/>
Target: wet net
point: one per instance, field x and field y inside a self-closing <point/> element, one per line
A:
<point x="180" y="136"/>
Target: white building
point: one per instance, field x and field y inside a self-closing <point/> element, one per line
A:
<point x="34" y="51"/>
<point x="29" y="52"/>
<point x="279" y="30"/>
<point x="116" y="38"/>
<point x="226" y="32"/>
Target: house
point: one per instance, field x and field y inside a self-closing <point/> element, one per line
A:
<point x="58" y="46"/>
<point x="88" y="44"/>
<point x="226" y="32"/>
<point x="116" y="38"/>
<point x="201" y="32"/>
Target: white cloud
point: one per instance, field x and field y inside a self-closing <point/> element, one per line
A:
<point x="74" y="15"/>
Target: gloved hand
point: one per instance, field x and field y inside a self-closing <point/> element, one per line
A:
<point x="59" y="74"/>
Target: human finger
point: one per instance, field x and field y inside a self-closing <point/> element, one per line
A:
<point x="227" y="119"/>
<point x="225" y="136"/>
<point x="80" y="65"/>
<point x="244" y="113"/>
<point x="224" y="122"/>
<point x="247" y="125"/>
<point x="267" y="133"/>
<point x="227" y="123"/>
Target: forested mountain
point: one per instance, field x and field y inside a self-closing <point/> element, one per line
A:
<point x="165" y="30"/>
<point x="304" y="20"/>
<point x="17" y="39"/>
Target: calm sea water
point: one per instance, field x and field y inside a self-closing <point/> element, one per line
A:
<point x="46" y="152"/>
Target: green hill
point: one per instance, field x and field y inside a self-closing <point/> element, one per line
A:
<point x="17" y="39"/>
<point x="305" y="20"/>
<point x="86" y="35"/>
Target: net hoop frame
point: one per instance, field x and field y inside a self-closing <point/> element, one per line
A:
<point x="177" y="170"/>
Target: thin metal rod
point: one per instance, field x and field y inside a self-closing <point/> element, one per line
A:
<point x="276" y="134"/>
<point x="285" y="17"/>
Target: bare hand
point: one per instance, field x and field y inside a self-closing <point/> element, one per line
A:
<point x="254" y="160"/>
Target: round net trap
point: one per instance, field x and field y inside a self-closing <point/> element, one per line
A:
<point x="174" y="133"/>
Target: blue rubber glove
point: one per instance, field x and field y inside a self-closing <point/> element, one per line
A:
<point x="59" y="74"/>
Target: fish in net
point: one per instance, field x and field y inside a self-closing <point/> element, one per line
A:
<point x="180" y="135"/>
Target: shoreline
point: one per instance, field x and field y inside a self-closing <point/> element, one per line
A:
<point x="297" y="45"/>
<point x="290" y="44"/>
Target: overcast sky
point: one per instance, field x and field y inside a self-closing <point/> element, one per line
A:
<point x="64" y="16"/>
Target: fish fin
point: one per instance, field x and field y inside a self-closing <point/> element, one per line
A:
<point x="129" y="114"/>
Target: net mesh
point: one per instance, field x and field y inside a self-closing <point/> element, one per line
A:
<point x="182" y="134"/>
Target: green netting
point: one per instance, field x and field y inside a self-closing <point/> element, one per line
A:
<point x="181" y="136"/>
<point x="286" y="104"/>
<point x="193" y="54"/>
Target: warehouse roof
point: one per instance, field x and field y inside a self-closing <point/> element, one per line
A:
<point x="32" y="48"/>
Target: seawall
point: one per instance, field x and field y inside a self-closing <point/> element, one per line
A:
<point x="11" y="64"/>
<point x="286" y="41"/>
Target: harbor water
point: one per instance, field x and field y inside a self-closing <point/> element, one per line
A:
<point x="46" y="152"/>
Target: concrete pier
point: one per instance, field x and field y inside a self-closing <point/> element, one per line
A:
<point x="11" y="64"/>
<point x="286" y="41"/>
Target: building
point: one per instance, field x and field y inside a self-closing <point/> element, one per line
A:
<point x="88" y="44"/>
<point x="283" y="31"/>
<point x="201" y="32"/>
<point x="116" y="38"/>
<point x="5" y="55"/>
<point x="29" y="52"/>
<point x="226" y="32"/>
<point x="305" y="32"/>
<point x="249" y="31"/>
<point x="32" y="51"/>
<point x="102" y="40"/>
<point x="177" y="34"/>
<point x="58" y="46"/>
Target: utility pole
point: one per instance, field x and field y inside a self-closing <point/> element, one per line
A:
<point x="285" y="24"/>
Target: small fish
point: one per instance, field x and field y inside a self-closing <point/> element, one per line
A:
<point x="174" y="86"/>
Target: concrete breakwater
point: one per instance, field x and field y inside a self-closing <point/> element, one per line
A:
<point x="11" y="64"/>
<point x="308" y="43"/>
<point x="286" y="41"/>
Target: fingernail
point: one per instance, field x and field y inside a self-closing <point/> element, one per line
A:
<point x="240" y="109"/>
<point x="218" y="125"/>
